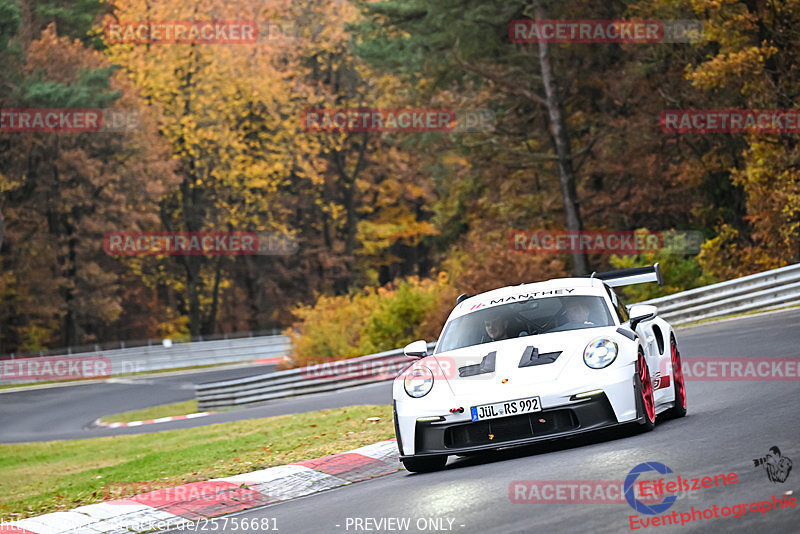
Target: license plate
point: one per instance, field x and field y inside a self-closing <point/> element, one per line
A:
<point x="504" y="409"/>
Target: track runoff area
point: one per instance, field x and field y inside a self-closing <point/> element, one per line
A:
<point x="725" y="467"/>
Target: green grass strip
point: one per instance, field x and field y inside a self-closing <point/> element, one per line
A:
<point x="36" y="478"/>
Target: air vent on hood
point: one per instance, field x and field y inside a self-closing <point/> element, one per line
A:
<point x="486" y="366"/>
<point x="532" y="357"/>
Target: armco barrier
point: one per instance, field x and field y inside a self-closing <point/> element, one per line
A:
<point x="770" y="289"/>
<point x="157" y="357"/>
<point x="313" y="379"/>
<point x="778" y="287"/>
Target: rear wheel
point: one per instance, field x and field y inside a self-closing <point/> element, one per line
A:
<point x="679" y="410"/>
<point x="424" y="464"/>
<point x="646" y="402"/>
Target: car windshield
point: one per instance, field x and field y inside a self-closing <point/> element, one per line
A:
<point x="518" y="319"/>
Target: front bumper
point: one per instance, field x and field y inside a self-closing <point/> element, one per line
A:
<point x="433" y="439"/>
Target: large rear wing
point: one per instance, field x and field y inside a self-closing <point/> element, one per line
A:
<point x="626" y="277"/>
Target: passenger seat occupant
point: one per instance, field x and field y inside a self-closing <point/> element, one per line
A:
<point x="578" y="315"/>
<point x="497" y="327"/>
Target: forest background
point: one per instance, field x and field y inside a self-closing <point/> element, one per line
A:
<point x="391" y="227"/>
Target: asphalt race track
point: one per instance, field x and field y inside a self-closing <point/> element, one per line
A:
<point x="729" y="424"/>
<point x="66" y="412"/>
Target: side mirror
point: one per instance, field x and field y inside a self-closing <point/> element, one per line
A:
<point x="641" y="312"/>
<point x="417" y="349"/>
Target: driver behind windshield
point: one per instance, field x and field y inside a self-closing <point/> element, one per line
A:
<point x="578" y="315"/>
<point x="496" y="327"/>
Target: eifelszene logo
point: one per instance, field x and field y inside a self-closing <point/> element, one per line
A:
<point x="636" y="504"/>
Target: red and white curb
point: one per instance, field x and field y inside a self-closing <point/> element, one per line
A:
<point x="172" y="507"/>
<point x="99" y="423"/>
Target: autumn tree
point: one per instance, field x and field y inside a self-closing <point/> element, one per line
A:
<point x="450" y="42"/>
<point x="755" y="67"/>
<point x="62" y="191"/>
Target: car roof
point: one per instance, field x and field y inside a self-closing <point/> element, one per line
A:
<point x="521" y="292"/>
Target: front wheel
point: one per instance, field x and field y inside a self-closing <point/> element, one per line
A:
<point x="645" y="398"/>
<point x="424" y="464"/>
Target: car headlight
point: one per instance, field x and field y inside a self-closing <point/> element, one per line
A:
<point x="418" y="382"/>
<point x="600" y="353"/>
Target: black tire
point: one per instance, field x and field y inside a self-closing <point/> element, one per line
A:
<point x="424" y="464"/>
<point x="678" y="383"/>
<point x="643" y="383"/>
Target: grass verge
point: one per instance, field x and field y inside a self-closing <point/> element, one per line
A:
<point x="165" y="410"/>
<point x="37" y="478"/>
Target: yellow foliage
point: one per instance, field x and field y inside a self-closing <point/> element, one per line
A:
<point x="370" y="320"/>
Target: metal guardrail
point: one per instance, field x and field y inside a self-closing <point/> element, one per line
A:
<point x="133" y="343"/>
<point x="158" y="357"/>
<point x="330" y="376"/>
<point x="769" y="289"/>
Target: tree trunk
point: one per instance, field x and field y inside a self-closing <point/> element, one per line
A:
<point x="70" y="274"/>
<point x="210" y="324"/>
<point x="566" y="173"/>
<point x="192" y="199"/>
<point x="191" y="263"/>
<point x="349" y="202"/>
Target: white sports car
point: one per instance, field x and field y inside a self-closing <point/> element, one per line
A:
<point x="537" y="362"/>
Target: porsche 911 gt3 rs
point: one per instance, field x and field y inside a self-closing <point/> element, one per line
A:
<point x="537" y="362"/>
